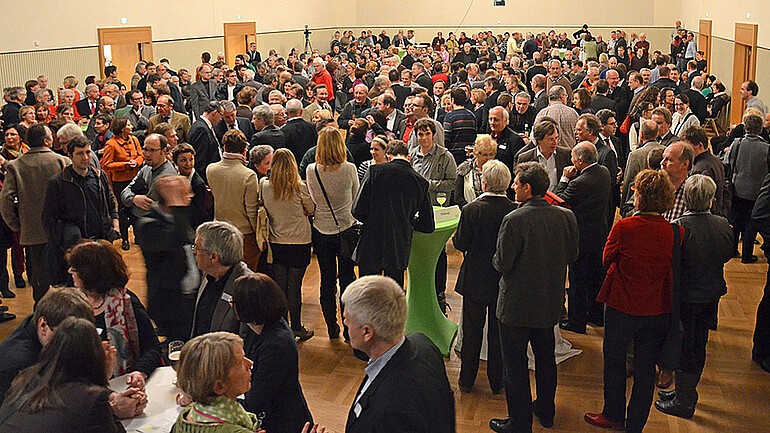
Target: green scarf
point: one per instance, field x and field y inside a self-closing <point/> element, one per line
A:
<point x="223" y="410"/>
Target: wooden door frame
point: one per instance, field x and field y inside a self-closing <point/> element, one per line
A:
<point x="247" y="29"/>
<point x="704" y="41"/>
<point x="745" y="37"/>
<point x="124" y="35"/>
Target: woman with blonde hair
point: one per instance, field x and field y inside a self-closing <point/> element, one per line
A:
<point x="288" y="204"/>
<point x="333" y="184"/>
<point x="468" y="185"/>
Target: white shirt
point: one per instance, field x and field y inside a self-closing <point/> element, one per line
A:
<point x="391" y="120"/>
<point x="550" y="168"/>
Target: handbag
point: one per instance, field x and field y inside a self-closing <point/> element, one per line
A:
<point x="348" y="237"/>
<point x="625" y="127"/>
<point x="263" y="226"/>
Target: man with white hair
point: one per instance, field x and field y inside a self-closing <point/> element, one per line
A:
<point x="300" y="134"/>
<point x="565" y="116"/>
<point x="556" y="77"/>
<point x="355" y="107"/>
<point x="87" y="106"/>
<point x="508" y="142"/>
<point x="322" y="76"/>
<point x="698" y="103"/>
<point x="406" y="385"/>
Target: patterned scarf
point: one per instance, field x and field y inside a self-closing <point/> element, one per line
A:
<point x="121" y="329"/>
<point x="223" y="410"/>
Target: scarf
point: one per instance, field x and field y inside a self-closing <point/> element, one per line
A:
<point x="121" y="329"/>
<point x="223" y="410"/>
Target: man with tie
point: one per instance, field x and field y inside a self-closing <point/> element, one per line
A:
<point x="406" y="386"/>
<point x="230" y="121"/>
<point x="204" y="140"/>
<point x="254" y="55"/>
<point x="87" y="106"/>
<point x="166" y="113"/>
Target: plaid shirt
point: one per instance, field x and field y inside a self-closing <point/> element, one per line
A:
<point x="566" y="117"/>
<point x="679" y="207"/>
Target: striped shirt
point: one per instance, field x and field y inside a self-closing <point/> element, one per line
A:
<point x="459" y="130"/>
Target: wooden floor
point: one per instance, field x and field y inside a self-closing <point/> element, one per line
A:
<point x="733" y="392"/>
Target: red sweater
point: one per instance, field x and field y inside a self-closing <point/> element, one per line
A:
<point x="638" y="260"/>
<point x="325" y="78"/>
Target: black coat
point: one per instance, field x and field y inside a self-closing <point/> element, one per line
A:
<point x="698" y="105"/>
<point x="425" y="81"/>
<point x="275" y="388"/>
<point x="359" y="148"/>
<point x="243" y="124"/>
<point x="206" y="146"/>
<point x="589" y="195"/>
<point x="402" y="93"/>
<point x="20" y="350"/>
<point x="84" y="108"/>
<point x="599" y="102"/>
<point x="392" y="202"/>
<point x="410" y="394"/>
<point x="300" y="137"/>
<point x="509" y="144"/>
<point x="706" y="246"/>
<point x="476" y="237"/>
<point x="270" y="135"/>
<point x="622" y="96"/>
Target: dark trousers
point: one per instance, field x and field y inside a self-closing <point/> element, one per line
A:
<point x="743" y="227"/>
<point x="35" y="256"/>
<point x="586" y="276"/>
<point x="290" y="281"/>
<point x="176" y="326"/>
<point x="761" y="348"/>
<point x="396" y="274"/>
<point x="648" y="334"/>
<point x="124" y="213"/>
<point x="441" y="270"/>
<point x="696" y="319"/>
<point x="4" y="277"/>
<point x="513" y="342"/>
<point x="332" y="265"/>
<point x="17" y="255"/>
<point x="474" y="315"/>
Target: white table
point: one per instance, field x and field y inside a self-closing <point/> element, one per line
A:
<point x="161" y="411"/>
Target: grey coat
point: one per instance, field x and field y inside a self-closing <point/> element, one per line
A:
<point x="534" y="246"/>
<point x="224" y="317"/>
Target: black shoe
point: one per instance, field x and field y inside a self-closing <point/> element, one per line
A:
<point x="763" y="363"/>
<point x="596" y="323"/>
<point x="19" y="280"/>
<point x="501" y="425"/>
<point x="497" y="391"/>
<point x="572" y="327"/>
<point x="667" y="395"/>
<point x="7" y="293"/>
<point x="676" y="407"/>
<point x="3" y="308"/>
<point x="125" y="246"/>
<point x="544" y="421"/>
<point x="333" y="331"/>
<point x="303" y="334"/>
<point x="465" y="388"/>
<point x="752" y="259"/>
<point x="6" y="317"/>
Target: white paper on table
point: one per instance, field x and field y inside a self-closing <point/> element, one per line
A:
<point x="161" y="411"/>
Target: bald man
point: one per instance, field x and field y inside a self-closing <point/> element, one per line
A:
<point x="354" y="108"/>
<point x="300" y="135"/>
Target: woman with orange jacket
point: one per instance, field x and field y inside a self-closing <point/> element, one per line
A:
<point x="122" y="159"/>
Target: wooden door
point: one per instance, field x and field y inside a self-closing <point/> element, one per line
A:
<point x="704" y="41"/>
<point x="744" y="66"/>
<point x="124" y="47"/>
<point x="237" y="38"/>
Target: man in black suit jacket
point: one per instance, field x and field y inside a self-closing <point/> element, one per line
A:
<point x="203" y="139"/>
<point x="697" y="101"/>
<point x="300" y="135"/>
<point x="588" y="128"/>
<point x="406" y="387"/>
<point x="620" y="93"/>
<point x="508" y="142"/>
<point x="665" y="81"/>
<point x="231" y="121"/>
<point x="587" y="188"/>
<point x="600" y="100"/>
<point x="537" y="69"/>
<point x="421" y="77"/>
<point x="493" y="90"/>
<point x="254" y="56"/>
<point x="401" y="88"/>
<point x="263" y="121"/>
<point x="392" y="202"/>
<point x="478" y="281"/>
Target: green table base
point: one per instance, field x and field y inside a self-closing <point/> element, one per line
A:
<point x="424" y="314"/>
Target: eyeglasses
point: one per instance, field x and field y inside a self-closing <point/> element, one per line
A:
<point x="146" y="150"/>
<point x="196" y="249"/>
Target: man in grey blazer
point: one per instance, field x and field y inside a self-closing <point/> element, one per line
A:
<point x="547" y="152"/>
<point x="218" y="251"/>
<point x="535" y="245"/>
<point x="202" y="91"/>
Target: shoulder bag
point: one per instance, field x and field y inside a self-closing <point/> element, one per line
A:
<point x="348" y="237"/>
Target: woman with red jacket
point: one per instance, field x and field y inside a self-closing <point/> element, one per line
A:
<point x="638" y="297"/>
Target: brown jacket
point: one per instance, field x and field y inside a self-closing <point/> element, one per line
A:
<point x="27" y="178"/>
<point x="179" y="121"/>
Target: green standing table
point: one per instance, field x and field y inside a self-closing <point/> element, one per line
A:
<point x="424" y="314"/>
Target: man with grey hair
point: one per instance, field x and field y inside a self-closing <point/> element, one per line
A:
<point x="355" y="107"/>
<point x="522" y="117"/>
<point x="564" y="116"/>
<point x="587" y="188"/>
<point x="230" y="121"/>
<point x="478" y="281"/>
<point x="508" y="142"/>
<point x="87" y="106"/>
<point x="218" y="251"/>
<point x="698" y="103"/>
<point x="556" y="77"/>
<point x="300" y="134"/>
<point x="706" y="247"/>
<point x="68" y="132"/>
<point x="279" y="114"/>
<point x="410" y="367"/>
<point x="139" y="72"/>
<point x="261" y="158"/>
<point x="637" y="160"/>
<point x="263" y="121"/>
<point x="538" y="90"/>
<point x="677" y="162"/>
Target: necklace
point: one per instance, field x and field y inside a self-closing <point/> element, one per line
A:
<point x="100" y="305"/>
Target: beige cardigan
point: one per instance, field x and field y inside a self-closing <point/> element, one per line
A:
<point x="236" y="193"/>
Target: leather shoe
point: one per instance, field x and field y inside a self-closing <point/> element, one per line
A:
<point x="19" y="280"/>
<point x="763" y="363"/>
<point x="752" y="259"/>
<point x="667" y="395"/>
<point x="501" y="425"/>
<point x="599" y="420"/>
<point x="7" y="293"/>
<point x="675" y="407"/>
<point x="572" y="327"/>
<point x="546" y="422"/>
<point x="125" y="246"/>
<point x="665" y="379"/>
<point x="303" y="334"/>
<point x="6" y="317"/>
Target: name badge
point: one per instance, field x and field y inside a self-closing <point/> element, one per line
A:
<point x="357" y="409"/>
<point x="502" y="146"/>
<point x="227" y="297"/>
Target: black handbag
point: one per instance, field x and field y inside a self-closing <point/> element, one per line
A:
<point x="348" y="237"/>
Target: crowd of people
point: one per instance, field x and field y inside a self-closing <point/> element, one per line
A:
<point x="232" y="176"/>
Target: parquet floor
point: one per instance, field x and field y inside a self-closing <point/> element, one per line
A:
<point x="733" y="392"/>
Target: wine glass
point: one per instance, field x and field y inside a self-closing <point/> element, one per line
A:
<point x="174" y="350"/>
<point x="441" y="198"/>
